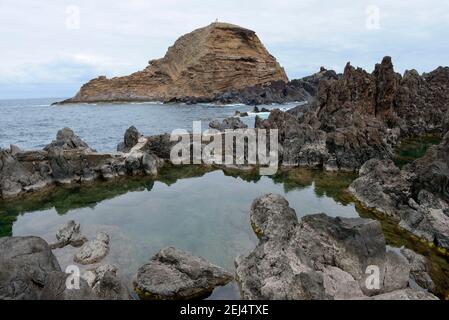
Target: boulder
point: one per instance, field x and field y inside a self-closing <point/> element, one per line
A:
<point x="56" y="288"/>
<point x="14" y="149"/>
<point x="69" y="234"/>
<point x="130" y="139"/>
<point x="105" y="282"/>
<point x="93" y="251"/>
<point x="25" y="264"/>
<point x="15" y="177"/>
<point x="67" y="140"/>
<point x="173" y="274"/>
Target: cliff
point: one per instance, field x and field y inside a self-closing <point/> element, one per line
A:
<point x="200" y="65"/>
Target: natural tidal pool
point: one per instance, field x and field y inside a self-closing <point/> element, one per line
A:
<point x="194" y="209"/>
<point x="200" y="210"/>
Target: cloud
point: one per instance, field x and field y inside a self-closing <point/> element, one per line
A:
<point x="62" y="68"/>
<point x="118" y="37"/>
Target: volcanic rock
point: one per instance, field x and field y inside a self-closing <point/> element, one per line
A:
<point x="227" y="124"/>
<point x="69" y="160"/>
<point x="176" y="275"/>
<point x="94" y="250"/>
<point x="130" y="139"/>
<point x="316" y="258"/>
<point x="25" y="263"/>
<point x="69" y="234"/>
<point x="67" y="140"/>
<point x="199" y="66"/>
<point x="361" y="116"/>
<point x="416" y="196"/>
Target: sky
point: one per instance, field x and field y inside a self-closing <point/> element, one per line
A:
<point x="50" y="48"/>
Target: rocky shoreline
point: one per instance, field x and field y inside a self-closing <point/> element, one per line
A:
<point x="69" y="160"/>
<point x="320" y="258"/>
<point x="416" y="196"/>
<point x="352" y="122"/>
<point x="362" y="116"/>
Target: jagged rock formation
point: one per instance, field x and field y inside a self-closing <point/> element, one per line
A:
<point x="200" y="65"/>
<point x="319" y="258"/>
<point x="304" y="89"/>
<point x="173" y="274"/>
<point x="362" y="116"/>
<point x="416" y="197"/>
<point x="68" y="159"/>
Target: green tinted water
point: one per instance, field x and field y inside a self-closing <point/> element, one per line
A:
<point x="414" y="148"/>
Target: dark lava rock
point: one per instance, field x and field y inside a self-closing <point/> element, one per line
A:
<point x="25" y="263"/>
<point x="416" y="196"/>
<point x="130" y="139"/>
<point x="30" y="271"/>
<point x="69" y="160"/>
<point x="69" y="234"/>
<point x="67" y="140"/>
<point x="228" y="123"/>
<point x="360" y="116"/>
<point x="304" y="89"/>
<point x="316" y="258"/>
<point x="176" y="275"/>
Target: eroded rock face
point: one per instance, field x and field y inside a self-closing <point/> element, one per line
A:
<point x="176" y="275"/>
<point x="200" y="65"/>
<point x="361" y="116"/>
<point x="415" y="196"/>
<point x="318" y="257"/>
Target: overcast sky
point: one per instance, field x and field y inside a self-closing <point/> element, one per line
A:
<point x="50" y="48"/>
